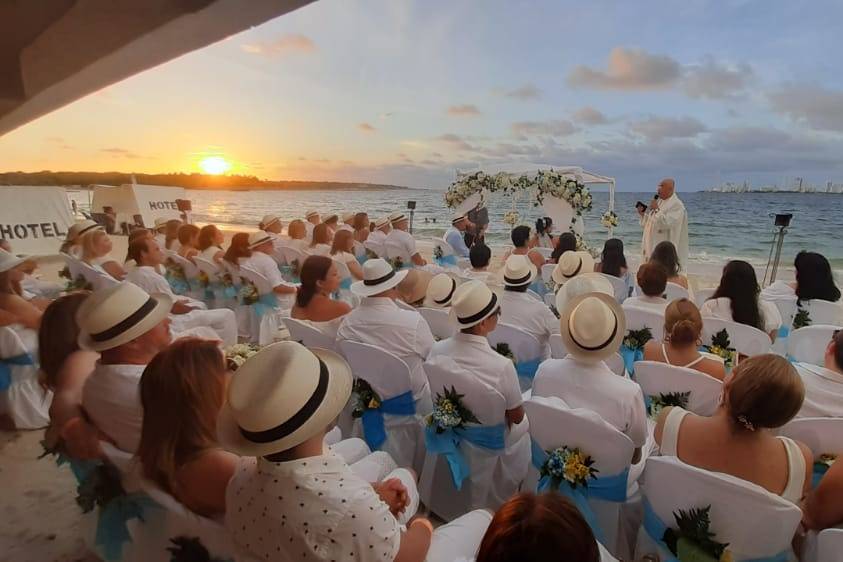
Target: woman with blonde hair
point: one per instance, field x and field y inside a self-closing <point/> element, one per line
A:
<point x="171" y="234"/>
<point x="761" y="394"/>
<point x="210" y="243"/>
<point x="181" y="391"/>
<point x="683" y="327"/>
<point x="17" y="309"/>
<point x="320" y="245"/>
<point x="342" y="250"/>
<point x="298" y="234"/>
<point x="188" y="240"/>
<point x="96" y="250"/>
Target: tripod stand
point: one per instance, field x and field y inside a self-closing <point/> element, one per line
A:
<point x="773" y="263"/>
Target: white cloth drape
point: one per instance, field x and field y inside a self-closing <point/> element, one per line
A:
<point x="668" y="222"/>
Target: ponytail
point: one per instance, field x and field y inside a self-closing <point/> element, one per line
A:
<point x="684" y="332"/>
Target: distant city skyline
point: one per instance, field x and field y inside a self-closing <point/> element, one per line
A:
<point x="408" y="92"/>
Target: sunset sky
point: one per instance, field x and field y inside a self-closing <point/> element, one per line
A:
<point x="406" y="92"/>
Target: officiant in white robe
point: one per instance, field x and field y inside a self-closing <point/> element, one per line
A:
<point x="666" y="219"/>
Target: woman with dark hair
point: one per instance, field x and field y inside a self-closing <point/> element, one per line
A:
<point x="538" y="527"/>
<point x="319" y="279"/>
<point x="361" y="227"/>
<point x="321" y="243"/>
<point x="814" y="280"/>
<point x="566" y="242"/>
<point x="238" y="249"/>
<point x="543" y="236"/>
<point x="523" y="245"/>
<point x="613" y="262"/>
<point x="342" y="250"/>
<point x="188" y="240"/>
<point x="210" y="243"/>
<point x="182" y="391"/>
<point x="736" y="300"/>
<point x="665" y="255"/>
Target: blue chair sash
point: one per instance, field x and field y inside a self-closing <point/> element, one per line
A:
<point x="527" y="369"/>
<point x="6" y="365"/>
<point x="178" y="285"/>
<point x="447" y="443"/>
<point x="630" y="356"/>
<point x="345" y="284"/>
<point x="266" y="303"/>
<point x="112" y="530"/>
<point x="446" y="260"/>
<point x="655" y="529"/>
<point x="362" y="259"/>
<point x="374" y="431"/>
<point x="538" y="286"/>
<point x="784" y="332"/>
<point x="607" y="488"/>
<point x="819" y="471"/>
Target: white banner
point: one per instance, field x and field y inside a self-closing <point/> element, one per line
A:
<point x="148" y="201"/>
<point x="34" y="219"/>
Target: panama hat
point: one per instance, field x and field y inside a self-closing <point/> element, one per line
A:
<point x="592" y="326"/>
<point x="472" y="303"/>
<point x="413" y="287"/>
<point x="381" y="222"/>
<point x="78" y="229"/>
<point x="268" y="220"/>
<point x="347" y="218"/>
<point x="331" y="217"/>
<point x="397" y="217"/>
<point x="518" y="271"/>
<point x="459" y="218"/>
<point x="9" y="261"/>
<point x="160" y="223"/>
<point x="309" y="214"/>
<point x="258" y="238"/>
<point x="582" y="284"/>
<point x="117" y="315"/>
<point x="281" y="397"/>
<point x="378" y="276"/>
<point x="440" y="291"/>
<point x="572" y="264"/>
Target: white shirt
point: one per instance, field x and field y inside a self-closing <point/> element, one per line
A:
<point x="209" y="252"/>
<point x="344" y="226"/>
<point x="722" y="308"/>
<point x="823" y="392"/>
<point x="593" y="386"/>
<point x="343" y="257"/>
<point x="485" y="276"/>
<point x="475" y="355"/>
<point x="148" y="279"/>
<point x="308" y="228"/>
<point x="308" y="509"/>
<point x="161" y="238"/>
<point x="403" y="240"/>
<point x="319" y="250"/>
<point x="111" y="398"/>
<point x="379" y="321"/>
<point x="266" y="266"/>
<point x="525" y="312"/>
<point x="656" y="304"/>
<point x="376" y="237"/>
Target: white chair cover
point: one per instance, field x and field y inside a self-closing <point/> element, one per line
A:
<point x="547" y="272"/>
<point x="494" y="475"/>
<point x="619" y="286"/>
<point x="754" y="522"/>
<point x="673" y="292"/>
<point x="460" y="539"/>
<point x="745" y="339"/>
<point x="786" y="306"/>
<point x="821" y="435"/>
<point x="98" y="279"/>
<point x="375" y="247"/>
<point x="808" y="344"/>
<point x="525" y="347"/>
<point x="241" y="311"/>
<point x="213" y="272"/>
<point x="389" y="376"/>
<point x="264" y="328"/>
<point x="394" y="250"/>
<point x="702" y="295"/>
<point x="437" y="319"/>
<point x="292" y="254"/>
<point x="824" y="312"/>
<point x="25" y="402"/>
<point x="660" y="378"/>
<point x="545" y="252"/>
<point x="639" y="318"/>
<point x="72" y="265"/>
<point x="830" y="546"/>
<point x="309" y="336"/>
<point x="558" y="351"/>
<point x="191" y="272"/>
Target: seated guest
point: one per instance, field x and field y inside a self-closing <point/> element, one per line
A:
<point x="379" y="321"/>
<point x="413" y="288"/>
<point x="237" y="249"/>
<point x="736" y="299"/>
<point x="72" y="242"/>
<point x="184" y="387"/>
<point x="186" y="313"/>
<point x="762" y="393"/>
<point x="96" y="249"/>
<point x="127" y="327"/>
<point x="613" y="262"/>
<point x="455" y="235"/>
<point x="159" y="231"/>
<point x="271" y="224"/>
<point x="319" y="280"/>
<point x="683" y="327"/>
<point x="543" y="526"/>
<point x="361" y="227"/>
<point x="320" y="243"/>
<point x="347" y="223"/>
<point x="299" y="500"/>
<point x="380" y="232"/>
<point x="171" y="235"/>
<point x="475" y="310"/>
<point x="342" y="251"/>
<point x="523" y="245"/>
<point x="440" y="291"/>
<point x="298" y="235"/>
<point x="592" y="328"/>
<point x="311" y="218"/>
<point x="520" y="309"/>
<point x="18" y="309"/>
<point x="188" y="240"/>
<point x="400" y="238"/>
<point x="543" y="236"/>
<point x="210" y="243"/>
<point x="480" y="256"/>
<point x="824" y="385"/>
<point x="652" y="281"/>
<point x="664" y="254"/>
<point x="260" y="259"/>
<point x="566" y="242"/>
<point x="64" y="365"/>
<point x="571" y="265"/>
<point x="332" y="222"/>
<point x="814" y="280"/>
<point x="823" y="507"/>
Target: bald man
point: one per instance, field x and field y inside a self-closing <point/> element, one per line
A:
<point x="666" y="220"/>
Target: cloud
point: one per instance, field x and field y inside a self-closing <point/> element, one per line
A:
<point x="525" y="92"/>
<point x="60" y="142"/>
<point x="554" y="128"/>
<point x="467" y="110"/>
<point x="656" y="129"/>
<point x="629" y="69"/>
<point x="589" y="116"/>
<point x="287" y="45"/>
<point x="120" y="152"/>
<point x="819" y="108"/>
<point x="713" y="80"/>
<point x="366" y="128"/>
<point x="454" y="142"/>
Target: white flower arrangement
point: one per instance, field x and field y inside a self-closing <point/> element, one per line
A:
<point x="511" y="218"/>
<point x="610" y="219"/>
<point x="237" y="354"/>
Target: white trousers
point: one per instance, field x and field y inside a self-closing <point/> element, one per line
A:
<point x="220" y="320"/>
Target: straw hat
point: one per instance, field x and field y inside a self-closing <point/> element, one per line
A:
<point x="281" y="397"/>
<point x="518" y="271"/>
<point x="9" y="261"/>
<point x="310" y="214"/>
<point x="440" y="291"/>
<point x="397" y="217"/>
<point x="78" y="229"/>
<point x="258" y="238"/>
<point x="381" y="222"/>
<point x="348" y="218"/>
<point x="472" y="303"/>
<point x="593" y="326"/>
<point x="267" y="221"/>
<point x="458" y="218"/>
<point x="582" y="284"/>
<point x="160" y="223"/>
<point x="378" y="276"/>
<point x="414" y="286"/>
<point x="117" y="315"/>
<point x="332" y="216"/>
<point x="572" y="264"/>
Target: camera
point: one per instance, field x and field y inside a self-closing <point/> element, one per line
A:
<point x="411" y="205"/>
<point x="782" y="220"/>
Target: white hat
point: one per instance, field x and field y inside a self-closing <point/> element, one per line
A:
<point x="309" y="214"/>
<point x="331" y="216"/>
<point x="161" y="222"/>
<point x="472" y="303"/>
<point x="381" y="222"/>
<point x="397" y="217"/>
<point x="440" y="291"/>
<point x="518" y="271"/>
<point x="78" y="229"/>
<point x="268" y="220"/>
<point x="281" y="397"/>
<point x="458" y="218"/>
<point x="582" y="284"/>
<point x="593" y="326"/>
<point x="572" y="264"/>
<point x="378" y="276"/>
<point x="117" y="315"/>
<point x="348" y="217"/>
<point x="258" y="238"/>
<point x="413" y="287"/>
<point x="9" y="261"/>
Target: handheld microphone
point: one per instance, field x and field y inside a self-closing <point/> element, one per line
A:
<point x="656" y="196"/>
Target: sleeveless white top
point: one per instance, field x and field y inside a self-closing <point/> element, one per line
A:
<point x="795" y="460"/>
<point x="688" y="366"/>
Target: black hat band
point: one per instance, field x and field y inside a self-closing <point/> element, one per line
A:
<point x="127" y="323"/>
<point x="450" y="293"/>
<point x="379" y="280"/>
<point x="482" y="314"/>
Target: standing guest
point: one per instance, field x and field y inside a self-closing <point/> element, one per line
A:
<point x="342" y="251"/>
<point x="159" y="230"/>
<point x="127" y="327"/>
<point x="237" y="249"/>
<point x="520" y="309"/>
<point x="566" y="242"/>
<point x="17" y="309"/>
<point x="665" y="220"/>
<point x="824" y="384"/>
<point x="823" y="507"/>
<point x="188" y="241"/>
<point x="319" y="280"/>
<point x="762" y="394"/>
<point x="379" y="321"/>
<point x="523" y="245"/>
<point x="361" y="227"/>
<point x="183" y="387"/>
<point x="332" y="222"/>
<point x="736" y="300"/>
<point x="260" y="259"/>
<point x="613" y="262"/>
<point x="454" y="235"/>
<point x="171" y="235"/>
<point x="440" y="291"/>
<point x="543" y="236"/>
<point x="572" y="265"/>
<point x="96" y="252"/>
<point x="538" y="527"/>
<point x="297" y="232"/>
<point x="347" y="222"/>
<point x="210" y="243"/>
<point x="480" y="256"/>
<point x="320" y="244"/>
<point x="652" y="280"/>
<point x="402" y="239"/>
<point x="72" y="242"/>
<point x="683" y="327"/>
<point x="311" y="218"/>
<point x="664" y="254"/>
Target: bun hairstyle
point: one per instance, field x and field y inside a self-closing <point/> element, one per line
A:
<point x="682" y="323"/>
<point x="765" y="392"/>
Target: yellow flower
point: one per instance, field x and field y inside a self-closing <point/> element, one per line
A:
<point x="727" y="556"/>
<point x="374" y="404"/>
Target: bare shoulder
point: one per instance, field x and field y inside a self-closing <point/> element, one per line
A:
<point x="214" y="466"/>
